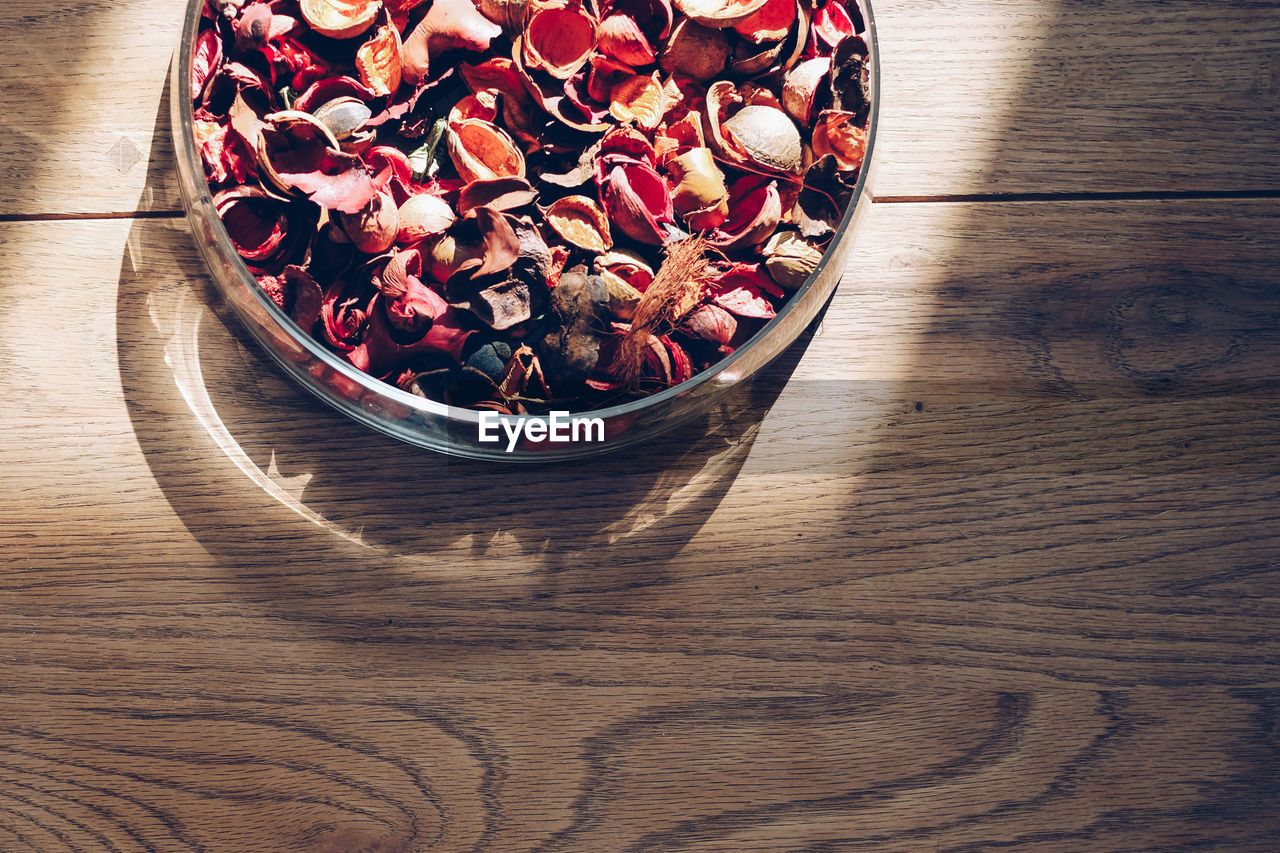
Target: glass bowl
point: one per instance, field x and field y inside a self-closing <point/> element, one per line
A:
<point x="458" y="431"/>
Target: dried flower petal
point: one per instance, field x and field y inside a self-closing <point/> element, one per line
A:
<point x="791" y="259"/>
<point x="580" y="220"/>
<point x="700" y="194"/>
<point x="755" y="208"/>
<point x="744" y="290"/>
<point x="620" y="37"/>
<point x="832" y="23"/>
<point x="374" y="228"/>
<point x="637" y="201"/>
<point x="378" y="61"/>
<point x="496" y="194"/>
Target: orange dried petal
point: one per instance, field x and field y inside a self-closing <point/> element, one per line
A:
<point x="836" y="133"/>
<point x="771" y="23"/>
<point x="580" y="220"/>
<point x="378" y="61"/>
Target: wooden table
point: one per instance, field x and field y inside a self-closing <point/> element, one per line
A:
<point x="991" y="564"/>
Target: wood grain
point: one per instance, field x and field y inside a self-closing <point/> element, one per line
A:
<point x="978" y="97"/>
<point x="988" y="564"/>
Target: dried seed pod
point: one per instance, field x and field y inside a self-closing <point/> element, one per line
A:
<point x="580" y="220"/>
<point x="620" y="37"/>
<point x="640" y="99"/>
<point x="801" y="86"/>
<point x="378" y="61"/>
<point x="482" y="151"/>
<point x="791" y="259"/>
<point x="373" y="230"/>
<point x="719" y="13"/>
<point x="343" y="116"/>
<point x="623" y="298"/>
<point x="768" y="136"/>
<point x="558" y="40"/>
<point x="340" y="19"/>
<point x="700" y="195"/>
<point x="710" y="322"/>
<point x="424" y="215"/>
<point x="695" y="50"/>
<point x="511" y="15"/>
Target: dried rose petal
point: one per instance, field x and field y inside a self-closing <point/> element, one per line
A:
<point x="558" y="40"/>
<point x="832" y="23"/>
<point x="580" y="220"/>
<point x="508" y="14"/>
<point x="378" y="61"/>
<point x="637" y="201"/>
<point x="296" y="293"/>
<point x="206" y="58"/>
<point x="482" y="151"/>
<point x="340" y="19"/>
<point x="755" y="208"/>
<point x="710" y="322"/>
<point x="267" y="232"/>
<point x="620" y="37"/>
<point x="744" y="290"/>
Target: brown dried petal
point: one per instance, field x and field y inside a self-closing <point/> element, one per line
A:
<point x="378" y="61"/>
<point x="497" y="194"/>
<point x="695" y="50"/>
<point x="791" y="259"/>
<point x="580" y="220"/>
<point x="508" y="14"/>
<point x="340" y="19"/>
<point x="699" y="186"/>
<point x="482" y="151"/>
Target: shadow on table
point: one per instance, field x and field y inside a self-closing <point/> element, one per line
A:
<point x="264" y="475"/>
